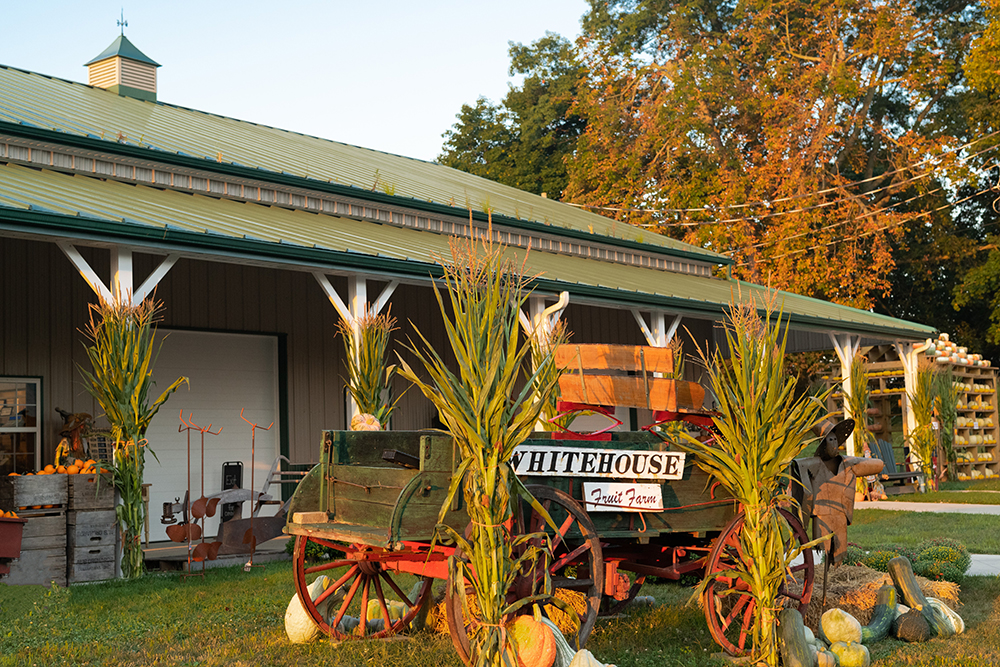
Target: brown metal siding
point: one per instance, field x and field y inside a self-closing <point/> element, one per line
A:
<point x="46" y="308"/>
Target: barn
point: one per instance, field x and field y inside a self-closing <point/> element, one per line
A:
<point x="258" y="240"/>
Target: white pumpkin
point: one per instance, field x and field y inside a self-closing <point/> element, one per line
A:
<point x="585" y="658"/>
<point x="839" y="626"/>
<point x="299" y="625"/>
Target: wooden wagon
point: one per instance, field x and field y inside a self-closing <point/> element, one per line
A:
<point x="625" y="506"/>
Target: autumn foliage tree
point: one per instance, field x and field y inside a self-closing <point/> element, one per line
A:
<point x="795" y="136"/>
<point x="808" y="140"/>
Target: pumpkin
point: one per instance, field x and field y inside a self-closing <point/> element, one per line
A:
<point x="585" y="658"/>
<point x="396" y="609"/>
<point x="836" y="625"/>
<point x="851" y="654"/>
<point x="912" y="627"/>
<point x="902" y="576"/>
<point x="534" y="642"/>
<point x="825" y="659"/>
<point x="365" y="422"/>
<point x="299" y="625"/>
<point x="564" y="654"/>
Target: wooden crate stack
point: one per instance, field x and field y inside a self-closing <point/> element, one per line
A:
<point x="90" y="528"/>
<point x="41" y="499"/>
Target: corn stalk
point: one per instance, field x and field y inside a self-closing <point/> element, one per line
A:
<point x="488" y="416"/>
<point x="366" y="344"/>
<point x="922" y="440"/>
<point x="761" y="427"/>
<point x="121" y="356"/>
<point x="947" y="407"/>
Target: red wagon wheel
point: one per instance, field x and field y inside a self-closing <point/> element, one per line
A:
<point x="728" y="607"/>
<point x="576" y="563"/>
<point x="365" y="579"/>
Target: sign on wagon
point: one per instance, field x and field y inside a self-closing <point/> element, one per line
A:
<point x="622" y="497"/>
<point x="543" y="460"/>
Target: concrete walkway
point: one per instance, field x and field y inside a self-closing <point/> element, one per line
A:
<point x="982" y="564"/>
<point x="903" y="506"/>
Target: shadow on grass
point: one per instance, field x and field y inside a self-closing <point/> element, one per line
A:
<point x="235" y="619"/>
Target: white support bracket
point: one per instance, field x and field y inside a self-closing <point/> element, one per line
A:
<point x="354" y="309"/>
<point x="121" y="274"/>
<point x="657" y="334"/>
<point x="154" y="278"/>
<point x="88" y="273"/>
<point x="331" y="294"/>
<point x="847" y="347"/>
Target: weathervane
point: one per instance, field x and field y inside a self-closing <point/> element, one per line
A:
<point x="122" y="23"/>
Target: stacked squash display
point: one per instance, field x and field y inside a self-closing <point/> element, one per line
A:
<point x="843" y="641"/>
<point x="77" y="467"/>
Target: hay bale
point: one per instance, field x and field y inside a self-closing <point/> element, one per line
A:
<point x="577" y="601"/>
<point x="854" y="588"/>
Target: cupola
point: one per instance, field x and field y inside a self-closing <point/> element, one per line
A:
<point x="124" y="69"/>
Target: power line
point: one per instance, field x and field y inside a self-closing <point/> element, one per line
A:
<point x="871" y="231"/>
<point x="768" y="203"/>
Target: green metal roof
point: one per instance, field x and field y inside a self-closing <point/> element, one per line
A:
<point x="50" y="203"/>
<point x="123" y="48"/>
<point x="57" y="110"/>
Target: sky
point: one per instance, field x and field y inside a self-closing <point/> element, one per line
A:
<point x="388" y="75"/>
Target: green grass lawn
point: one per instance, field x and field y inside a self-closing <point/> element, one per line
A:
<point x="872" y="528"/>
<point x="235" y="619"/>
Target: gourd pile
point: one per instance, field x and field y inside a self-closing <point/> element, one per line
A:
<point x="946" y="352"/>
<point x="841" y="639"/>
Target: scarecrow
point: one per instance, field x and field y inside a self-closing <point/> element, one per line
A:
<point x="824" y="488"/>
<point x="73" y="444"/>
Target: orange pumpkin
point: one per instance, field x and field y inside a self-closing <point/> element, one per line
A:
<point x="534" y="641"/>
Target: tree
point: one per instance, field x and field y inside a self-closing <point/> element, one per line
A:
<point x="826" y="112"/>
<point x="975" y="296"/>
<point x="523" y="141"/>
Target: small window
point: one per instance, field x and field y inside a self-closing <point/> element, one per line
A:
<point x="20" y="426"/>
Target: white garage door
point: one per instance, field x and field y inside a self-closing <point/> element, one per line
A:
<point x="228" y="372"/>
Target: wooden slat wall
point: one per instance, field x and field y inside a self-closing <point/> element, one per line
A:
<point x="45" y="307"/>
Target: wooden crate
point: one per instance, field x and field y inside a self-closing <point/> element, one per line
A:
<point x="92" y="528"/>
<point x="18" y="493"/>
<point x="45" y="529"/>
<point x="95" y="571"/>
<point x="90" y="492"/>
<point x="39" y="567"/>
<point x="92" y="541"/>
<point x="43" y="547"/>
<point x="97" y="554"/>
